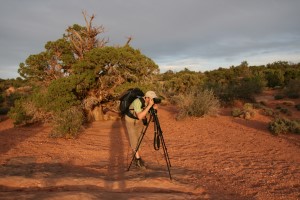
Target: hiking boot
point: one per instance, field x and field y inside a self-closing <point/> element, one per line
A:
<point x="140" y="163"/>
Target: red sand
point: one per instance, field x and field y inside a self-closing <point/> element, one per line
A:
<point x="212" y="158"/>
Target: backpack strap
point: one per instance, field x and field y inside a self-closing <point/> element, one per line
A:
<point x="129" y="114"/>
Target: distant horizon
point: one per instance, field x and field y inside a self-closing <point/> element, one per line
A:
<point x="178" y="70"/>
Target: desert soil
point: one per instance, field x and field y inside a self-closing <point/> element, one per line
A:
<point x="211" y="158"/>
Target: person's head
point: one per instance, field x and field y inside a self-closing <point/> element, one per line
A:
<point x="150" y="94"/>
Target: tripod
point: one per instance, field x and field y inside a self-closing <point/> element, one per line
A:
<point x="158" y="139"/>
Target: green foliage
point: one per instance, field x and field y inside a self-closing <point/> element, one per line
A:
<point x="124" y="63"/>
<point x="248" y="87"/>
<point x="61" y="95"/>
<point x="278" y="96"/>
<point x="269" y="112"/>
<point x="54" y="62"/>
<point x="78" y="70"/>
<point x="294" y="126"/>
<point x="236" y="112"/>
<point x="279" y="126"/>
<point x="67" y="123"/>
<point x="197" y="103"/>
<point x="283" y="126"/>
<point x="292" y="90"/>
<point x="1" y="98"/>
<point x="275" y="78"/>
<point x="242" y="82"/>
<point x="18" y="113"/>
<point x="246" y="112"/>
<point x="171" y="83"/>
<point x="297" y="106"/>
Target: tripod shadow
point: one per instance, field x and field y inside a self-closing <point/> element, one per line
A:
<point x="115" y="179"/>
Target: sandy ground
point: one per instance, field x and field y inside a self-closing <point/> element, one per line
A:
<point x="211" y="158"/>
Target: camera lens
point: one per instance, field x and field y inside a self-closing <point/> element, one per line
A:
<point x="157" y="100"/>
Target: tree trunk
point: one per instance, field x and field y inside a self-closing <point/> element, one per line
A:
<point x="98" y="114"/>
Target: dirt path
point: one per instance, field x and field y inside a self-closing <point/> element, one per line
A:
<point x="212" y="158"/>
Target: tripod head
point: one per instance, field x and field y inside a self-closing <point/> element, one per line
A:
<point x="152" y="111"/>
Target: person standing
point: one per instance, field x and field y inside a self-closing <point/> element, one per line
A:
<point x="135" y="126"/>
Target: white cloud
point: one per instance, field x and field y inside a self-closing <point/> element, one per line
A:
<point x="197" y="33"/>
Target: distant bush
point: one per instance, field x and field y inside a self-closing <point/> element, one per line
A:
<point x="269" y="112"/>
<point x="294" y="126"/>
<point x="292" y="90"/>
<point x="278" y="96"/>
<point x="18" y="114"/>
<point x="283" y="126"/>
<point x="288" y="103"/>
<point x="249" y="87"/>
<point x="283" y="110"/>
<point x="236" y="112"/>
<point x="197" y="103"/>
<point x="1" y="98"/>
<point x="279" y="126"/>
<point x="246" y="112"/>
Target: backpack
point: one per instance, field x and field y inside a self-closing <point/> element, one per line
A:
<point x="127" y="98"/>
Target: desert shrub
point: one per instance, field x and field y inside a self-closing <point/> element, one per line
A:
<point x="264" y="103"/>
<point x="265" y="110"/>
<point x="248" y="106"/>
<point x="292" y="90"/>
<point x="197" y="103"/>
<point x="283" y="110"/>
<point x="60" y="95"/>
<point x="236" y="112"/>
<point x="246" y="112"/>
<point x="1" y="98"/>
<point x="29" y="109"/>
<point x="283" y="126"/>
<point x="278" y="96"/>
<point x="294" y="126"/>
<point x="288" y="103"/>
<point x="67" y="123"/>
<point x="248" y="87"/>
<point x="258" y="106"/>
<point x="274" y="78"/>
<point x="268" y="111"/>
<point x="4" y="110"/>
<point x="279" y="126"/>
<point x="18" y="113"/>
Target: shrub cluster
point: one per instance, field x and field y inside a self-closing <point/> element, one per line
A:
<point x="67" y="123"/>
<point x="197" y="103"/>
<point x="292" y="89"/>
<point x="283" y="126"/>
<point x="246" y="112"/>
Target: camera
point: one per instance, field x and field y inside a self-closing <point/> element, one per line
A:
<point x="156" y="100"/>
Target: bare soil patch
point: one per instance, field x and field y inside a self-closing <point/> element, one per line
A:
<point x="212" y="158"/>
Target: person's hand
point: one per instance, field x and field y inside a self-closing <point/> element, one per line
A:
<point x="155" y="106"/>
<point x="151" y="102"/>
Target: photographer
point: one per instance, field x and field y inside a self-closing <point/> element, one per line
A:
<point x="135" y="126"/>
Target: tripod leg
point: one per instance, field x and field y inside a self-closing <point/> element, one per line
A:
<point x="165" y="149"/>
<point x="166" y="155"/>
<point x="161" y="139"/>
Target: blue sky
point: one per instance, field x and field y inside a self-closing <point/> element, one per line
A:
<point x="197" y="34"/>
